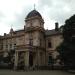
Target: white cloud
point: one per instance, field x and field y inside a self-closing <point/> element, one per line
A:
<point x="13" y="12"/>
<point x="11" y="8"/>
<point x="4" y="28"/>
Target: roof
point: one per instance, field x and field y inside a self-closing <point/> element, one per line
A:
<point x="21" y="30"/>
<point x="52" y="32"/>
<point x="33" y="13"/>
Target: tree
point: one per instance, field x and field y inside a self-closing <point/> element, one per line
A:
<point x="67" y="47"/>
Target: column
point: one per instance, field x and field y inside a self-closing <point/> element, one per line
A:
<point x="16" y="60"/>
<point x="43" y="59"/>
<point x="27" y="58"/>
<point x="38" y="58"/>
<point x="24" y="59"/>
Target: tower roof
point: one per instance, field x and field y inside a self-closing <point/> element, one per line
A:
<point x="33" y="13"/>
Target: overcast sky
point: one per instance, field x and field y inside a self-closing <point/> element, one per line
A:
<point x="13" y="12"/>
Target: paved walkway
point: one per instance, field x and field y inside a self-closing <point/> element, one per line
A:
<point x="51" y="72"/>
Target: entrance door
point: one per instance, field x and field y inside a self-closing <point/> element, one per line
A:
<point x="30" y="59"/>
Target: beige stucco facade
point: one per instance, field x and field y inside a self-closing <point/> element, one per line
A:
<point x="30" y="44"/>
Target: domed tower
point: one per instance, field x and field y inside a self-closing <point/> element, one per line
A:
<point x="34" y="19"/>
<point x="34" y="38"/>
<point x="34" y="28"/>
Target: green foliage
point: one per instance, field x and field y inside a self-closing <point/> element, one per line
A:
<point x="69" y="30"/>
<point x="67" y="47"/>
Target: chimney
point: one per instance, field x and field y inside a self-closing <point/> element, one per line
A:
<point x="4" y="34"/>
<point x="56" y="26"/>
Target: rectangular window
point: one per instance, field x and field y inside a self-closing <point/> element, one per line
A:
<point x="10" y="45"/>
<point x="6" y="46"/>
<point x="14" y="45"/>
<point x="49" y="45"/>
<point x="31" y="42"/>
<point x="50" y="60"/>
<point x="1" y="46"/>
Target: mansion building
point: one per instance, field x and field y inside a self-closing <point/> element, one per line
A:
<point x="32" y="45"/>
